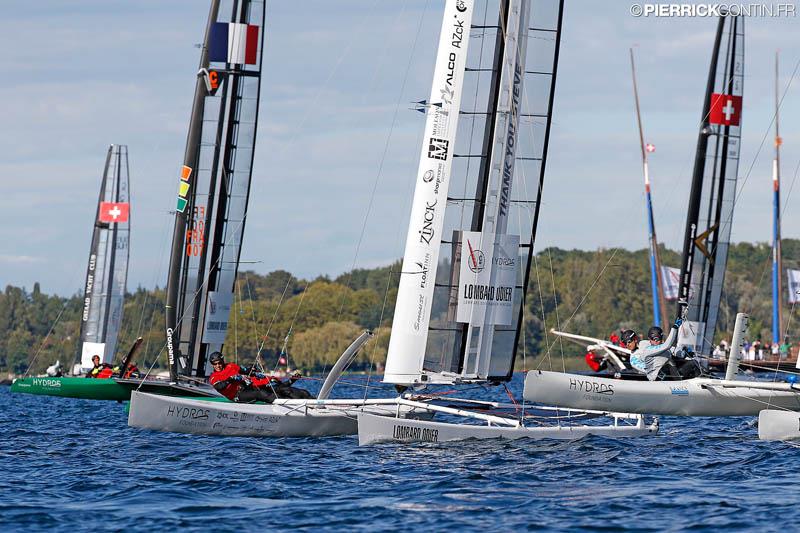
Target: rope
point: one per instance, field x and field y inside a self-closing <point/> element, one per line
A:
<point x="44" y="341"/>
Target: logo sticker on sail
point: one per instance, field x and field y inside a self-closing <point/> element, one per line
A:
<point x="437" y="148"/>
<point x="476" y="261"/>
<point x="183" y="188"/>
<point x="486" y="295"/>
<point x="426" y="233"/>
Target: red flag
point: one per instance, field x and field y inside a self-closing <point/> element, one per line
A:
<point x="725" y="109"/>
<point x="114" y="212"/>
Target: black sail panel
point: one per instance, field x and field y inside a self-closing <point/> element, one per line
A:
<point x="215" y="185"/>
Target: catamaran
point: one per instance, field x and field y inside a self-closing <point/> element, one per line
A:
<point x="702" y="273"/>
<point x="483" y="262"/>
<point x="104" y="290"/>
<point x="210" y="217"/>
<point x="469" y="250"/>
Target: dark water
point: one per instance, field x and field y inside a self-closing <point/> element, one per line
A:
<point x="75" y="465"/>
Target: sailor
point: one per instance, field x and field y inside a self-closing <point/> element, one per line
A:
<point x="681" y="359"/>
<point x="595" y="361"/>
<point x="100" y="370"/>
<point x="652" y="357"/>
<point x="241" y="384"/>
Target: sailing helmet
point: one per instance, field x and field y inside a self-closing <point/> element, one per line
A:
<point x="216" y="357"/>
<point x="655" y="333"/>
<point x="628" y="335"/>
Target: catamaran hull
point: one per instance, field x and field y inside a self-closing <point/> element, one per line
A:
<point x="774" y="424"/>
<point x="376" y="429"/>
<point x="73" y="387"/>
<point x="204" y="417"/>
<point x="691" y="397"/>
<point x="113" y="389"/>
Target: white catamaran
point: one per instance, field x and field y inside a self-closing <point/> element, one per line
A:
<point x="471" y="235"/>
<point x="704" y="258"/>
<point x="210" y="216"/>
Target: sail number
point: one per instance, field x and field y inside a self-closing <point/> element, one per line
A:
<point x="195" y="235"/>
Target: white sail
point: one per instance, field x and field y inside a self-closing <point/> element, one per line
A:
<point x="420" y="260"/>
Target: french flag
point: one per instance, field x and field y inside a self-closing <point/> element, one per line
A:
<point x="231" y="42"/>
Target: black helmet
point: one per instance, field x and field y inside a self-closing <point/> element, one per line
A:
<point x="655" y="333"/>
<point x="216" y="357"/>
<point x="628" y="335"/>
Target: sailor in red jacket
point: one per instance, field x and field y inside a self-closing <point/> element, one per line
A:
<point x="241" y="384"/>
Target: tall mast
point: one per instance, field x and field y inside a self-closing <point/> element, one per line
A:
<point x="421" y="257"/>
<point x="182" y="216"/>
<point x="707" y="236"/>
<point x="777" y="307"/>
<point x="107" y="270"/>
<point x="214" y="185"/>
<point x="465" y="327"/>
<point x="656" y="283"/>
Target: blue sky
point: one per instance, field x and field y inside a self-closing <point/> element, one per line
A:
<point x="83" y="74"/>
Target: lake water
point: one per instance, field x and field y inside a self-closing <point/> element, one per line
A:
<point x="74" y="465"/>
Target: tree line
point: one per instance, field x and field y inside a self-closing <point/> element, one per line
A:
<point x="311" y="322"/>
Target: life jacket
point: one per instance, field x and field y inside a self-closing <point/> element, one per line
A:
<point x="103" y="370"/>
<point x="264" y="382"/>
<point x="132" y="369"/>
<point x="594" y="361"/>
<point x="230" y="370"/>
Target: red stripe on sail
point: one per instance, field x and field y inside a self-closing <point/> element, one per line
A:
<point x="251" y="45"/>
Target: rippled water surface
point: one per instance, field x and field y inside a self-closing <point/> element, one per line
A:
<point x="74" y="465"/>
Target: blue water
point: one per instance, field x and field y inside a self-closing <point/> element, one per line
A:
<point x="70" y="465"/>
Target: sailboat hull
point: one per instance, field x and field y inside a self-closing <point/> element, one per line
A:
<point x="691" y="397"/>
<point x="112" y="389"/>
<point x="73" y="387"/>
<point x="774" y="424"/>
<point x="298" y="418"/>
<point x="376" y="429"/>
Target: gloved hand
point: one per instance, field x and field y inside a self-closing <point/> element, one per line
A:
<point x="247" y="381"/>
<point x="237" y="377"/>
<point x="260" y="375"/>
<point x="678" y="322"/>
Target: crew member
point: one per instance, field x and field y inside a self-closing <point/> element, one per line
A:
<point x="243" y="385"/>
<point x="595" y="361"/>
<point x="100" y="370"/>
<point x="652" y="358"/>
<point x="681" y="359"/>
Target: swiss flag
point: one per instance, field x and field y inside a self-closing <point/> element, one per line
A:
<point x="725" y="109"/>
<point x="114" y="211"/>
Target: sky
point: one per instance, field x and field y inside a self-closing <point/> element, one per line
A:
<point x="335" y="125"/>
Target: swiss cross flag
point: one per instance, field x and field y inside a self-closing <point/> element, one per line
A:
<point x="725" y="109"/>
<point x="114" y="211"/>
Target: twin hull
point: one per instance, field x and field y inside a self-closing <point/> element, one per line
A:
<point x="113" y="389"/>
<point x="691" y="397"/>
<point x="375" y="429"/>
<point x="223" y="417"/>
